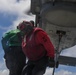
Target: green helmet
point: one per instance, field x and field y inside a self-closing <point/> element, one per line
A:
<point x="6" y="37"/>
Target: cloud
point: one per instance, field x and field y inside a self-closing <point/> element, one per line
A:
<point x="18" y="8"/>
<point x="70" y="52"/>
<point x="48" y="71"/>
<point x="3" y="69"/>
<point x="14" y="7"/>
<point x="22" y="18"/>
<point x="4" y="28"/>
<point x="4" y="72"/>
<point x="61" y="72"/>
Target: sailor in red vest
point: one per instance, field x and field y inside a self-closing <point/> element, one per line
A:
<point x="37" y="47"/>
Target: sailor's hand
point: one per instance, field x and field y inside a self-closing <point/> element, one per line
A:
<point x="52" y="63"/>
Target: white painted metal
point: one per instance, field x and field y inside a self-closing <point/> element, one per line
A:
<point x="68" y="40"/>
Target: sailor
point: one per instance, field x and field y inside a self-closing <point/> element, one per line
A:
<point x="38" y="48"/>
<point x="13" y="54"/>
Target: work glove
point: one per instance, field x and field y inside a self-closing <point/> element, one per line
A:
<point x="51" y="63"/>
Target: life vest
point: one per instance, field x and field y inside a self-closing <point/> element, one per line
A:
<point x="30" y="47"/>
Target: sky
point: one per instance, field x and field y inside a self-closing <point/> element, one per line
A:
<point x="12" y="12"/>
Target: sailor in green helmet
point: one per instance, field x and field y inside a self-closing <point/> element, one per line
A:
<point x="14" y="57"/>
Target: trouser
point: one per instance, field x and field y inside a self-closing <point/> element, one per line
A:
<point x="36" y="67"/>
<point x="15" y="60"/>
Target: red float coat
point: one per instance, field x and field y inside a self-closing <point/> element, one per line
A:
<point x="37" y="45"/>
